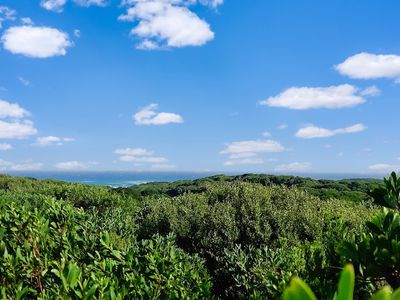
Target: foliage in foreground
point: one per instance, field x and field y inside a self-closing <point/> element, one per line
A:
<point x="298" y="290"/>
<point x="62" y="240"/>
<point x="56" y="253"/>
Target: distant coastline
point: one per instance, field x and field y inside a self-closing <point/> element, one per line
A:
<point x="129" y="178"/>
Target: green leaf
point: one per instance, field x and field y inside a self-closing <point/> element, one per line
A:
<point x="346" y="284"/>
<point x="395" y="295"/>
<point x="383" y="294"/>
<point x="298" y="290"/>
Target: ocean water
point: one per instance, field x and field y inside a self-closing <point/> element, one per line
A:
<point x="113" y="179"/>
<point x="125" y="179"/>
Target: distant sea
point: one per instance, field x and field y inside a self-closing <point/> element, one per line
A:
<point x="125" y="179"/>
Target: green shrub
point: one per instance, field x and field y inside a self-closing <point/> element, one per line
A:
<point x="58" y="253"/>
<point x="376" y="252"/>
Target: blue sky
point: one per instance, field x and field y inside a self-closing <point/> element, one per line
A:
<point x="242" y="86"/>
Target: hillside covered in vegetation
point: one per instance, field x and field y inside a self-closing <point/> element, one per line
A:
<point x="223" y="237"/>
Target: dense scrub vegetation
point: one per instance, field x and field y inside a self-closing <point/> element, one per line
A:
<point x="219" y="237"/>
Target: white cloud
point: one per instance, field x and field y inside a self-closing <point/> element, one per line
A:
<point x="370" y="66"/>
<point x="24" y="81"/>
<point x="45" y="141"/>
<point x="58" y="5"/>
<point x="6" y="14"/>
<point x="149" y="116"/>
<point x="294" y="167"/>
<point x="244" y="161"/>
<point x="140" y="157"/>
<point x="5" y="147"/>
<point x="212" y="3"/>
<point x="384" y="168"/>
<point x="38" y="42"/>
<point x="167" y="23"/>
<point x="27" y="21"/>
<point x="12" y="110"/>
<point x="53" y="5"/>
<point x="371" y="91"/>
<point x="15" y="126"/>
<point x="71" y="165"/>
<point x="16" y="129"/>
<point x="88" y="3"/>
<point x="245" y="152"/>
<point x="134" y="152"/>
<point x="253" y="146"/>
<point x="311" y="131"/>
<point x="301" y="98"/>
<point x="143" y="159"/>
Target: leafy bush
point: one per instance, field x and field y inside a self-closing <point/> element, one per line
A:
<point x="254" y="218"/>
<point x="57" y="253"/>
<point x="392" y="185"/>
<point x="259" y="273"/>
<point x="376" y="252"/>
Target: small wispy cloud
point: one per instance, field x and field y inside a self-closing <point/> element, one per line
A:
<point x="46" y="141"/>
<point x="149" y="116"/>
<point x="24" y="81"/>
<point x="312" y="132"/>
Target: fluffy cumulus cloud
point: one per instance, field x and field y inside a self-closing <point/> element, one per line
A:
<point x="294" y="167"/>
<point x="384" y="168"/>
<point x="45" y="141"/>
<point x="38" y="42"/>
<point x="58" y="5"/>
<point x="143" y="157"/>
<point x="16" y="129"/>
<point x="168" y="23"/>
<point x="312" y="132"/>
<point x="12" y="110"/>
<point x="302" y="98"/>
<point x="370" y="66"/>
<point x="245" y="152"/>
<point x="6" y="14"/>
<point x="13" y="122"/>
<point x="5" y="147"/>
<point x="149" y="116"/>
